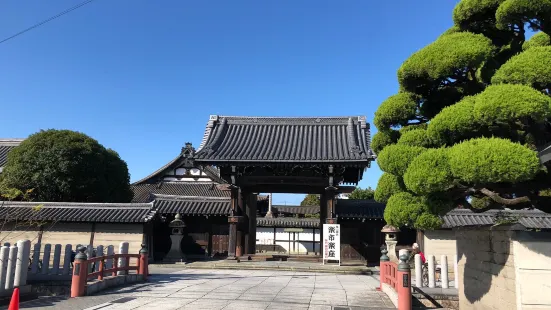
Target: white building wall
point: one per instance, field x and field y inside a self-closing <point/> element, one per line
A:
<point x="291" y="242"/>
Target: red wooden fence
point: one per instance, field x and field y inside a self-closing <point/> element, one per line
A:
<point x="113" y="271"/>
<point x="398" y="277"/>
<point x="81" y="263"/>
<point x="389" y="274"/>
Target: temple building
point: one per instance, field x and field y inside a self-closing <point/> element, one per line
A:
<point x="217" y="189"/>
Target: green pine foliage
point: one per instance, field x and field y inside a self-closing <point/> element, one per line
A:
<point x="473" y="108"/>
<point x="540" y="39"/>
<point x="63" y="165"/>
<point x="388" y="185"/>
<point x="383" y="139"/>
<point x="362" y="193"/>
<point x="311" y="200"/>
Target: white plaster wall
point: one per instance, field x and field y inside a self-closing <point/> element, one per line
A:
<point x="532" y="253"/>
<point x="264" y="235"/>
<point x="441" y="242"/>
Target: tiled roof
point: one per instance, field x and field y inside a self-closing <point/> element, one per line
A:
<point x="358" y="208"/>
<point x="287" y="222"/>
<point x="77" y="212"/>
<point x="192" y="206"/>
<point x="6" y="145"/>
<point x="532" y="219"/>
<point x="285" y="139"/>
<point x="142" y="192"/>
<point x="296" y="209"/>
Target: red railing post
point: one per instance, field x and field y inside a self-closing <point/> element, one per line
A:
<point x="101" y="268"/>
<point x="383" y="267"/>
<point x="142" y="262"/>
<point x="115" y="265"/>
<point x="80" y="273"/>
<point x="403" y="284"/>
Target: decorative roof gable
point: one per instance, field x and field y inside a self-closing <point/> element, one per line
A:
<point x="286" y="139"/>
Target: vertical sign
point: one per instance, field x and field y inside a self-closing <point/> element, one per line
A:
<point x="332" y="242"/>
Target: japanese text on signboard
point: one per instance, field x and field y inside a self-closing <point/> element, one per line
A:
<point x="331" y="242"/>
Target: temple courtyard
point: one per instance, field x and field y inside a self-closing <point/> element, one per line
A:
<point x="233" y="289"/>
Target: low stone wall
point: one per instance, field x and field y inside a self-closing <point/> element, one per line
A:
<point x="109" y="282"/>
<point x="503" y="267"/>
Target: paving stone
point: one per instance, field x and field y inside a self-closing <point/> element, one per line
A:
<point x="232" y="289"/>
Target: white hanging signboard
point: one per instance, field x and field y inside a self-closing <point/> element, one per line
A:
<point x="332" y="242"/>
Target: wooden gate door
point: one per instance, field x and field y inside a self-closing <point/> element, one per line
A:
<point x="220" y="245"/>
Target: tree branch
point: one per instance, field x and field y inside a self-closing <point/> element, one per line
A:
<point x="505" y="201"/>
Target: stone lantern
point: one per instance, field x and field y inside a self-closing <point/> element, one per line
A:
<point x="391" y="239"/>
<point x="177" y="234"/>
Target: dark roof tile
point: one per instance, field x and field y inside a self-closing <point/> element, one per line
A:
<point x="296" y="209"/>
<point x="532" y="219"/>
<point x="285" y="139"/>
<point x="6" y="145"/>
<point x="143" y="192"/>
<point x="359" y="208"/>
<point x="77" y="212"/>
<point x="288" y="222"/>
<point x="193" y="206"/>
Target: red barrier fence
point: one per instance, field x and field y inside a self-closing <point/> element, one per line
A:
<point x="398" y="278"/>
<point x="113" y="271"/>
<point x="390" y="273"/>
<point x="81" y="263"/>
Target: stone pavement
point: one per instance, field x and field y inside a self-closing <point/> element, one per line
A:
<point x="349" y="268"/>
<point x="234" y="289"/>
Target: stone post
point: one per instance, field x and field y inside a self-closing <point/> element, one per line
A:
<point x="99" y="253"/>
<point x="90" y="254"/>
<point x="144" y="270"/>
<point x="46" y="259"/>
<point x="382" y="266"/>
<point x="10" y="271"/>
<point x="418" y="271"/>
<point x="110" y="251"/>
<point x="123" y="249"/>
<point x="269" y="213"/>
<point x="4" y="252"/>
<point x="444" y="271"/>
<point x="403" y="285"/>
<point x="22" y="265"/>
<point x="57" y="259"/>
<point x="432" y="264"/>
<point x="36" y="258"/>
<point x="67" y="259"/>
<point x="455" y="272"/>
<point x="80" y="273"/>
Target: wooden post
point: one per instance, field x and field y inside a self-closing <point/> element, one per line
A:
<point x="101" y="269"/>
<point x="233" y="221"/>
<point x="143" y="262"/>
<point x="382" y="267"/>
<point x="403" y="284"/>
<point x="239" y="243"/>
<point x="80" y="273"/>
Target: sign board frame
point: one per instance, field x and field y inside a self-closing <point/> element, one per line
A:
<point x="331" y="243"/>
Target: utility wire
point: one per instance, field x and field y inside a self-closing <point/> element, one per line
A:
<point x="47" y="20"/>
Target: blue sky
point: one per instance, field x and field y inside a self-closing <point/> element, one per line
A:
<point x="142" y="76"/>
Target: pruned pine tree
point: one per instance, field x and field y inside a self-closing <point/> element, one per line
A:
<point x="473" y="109"/>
